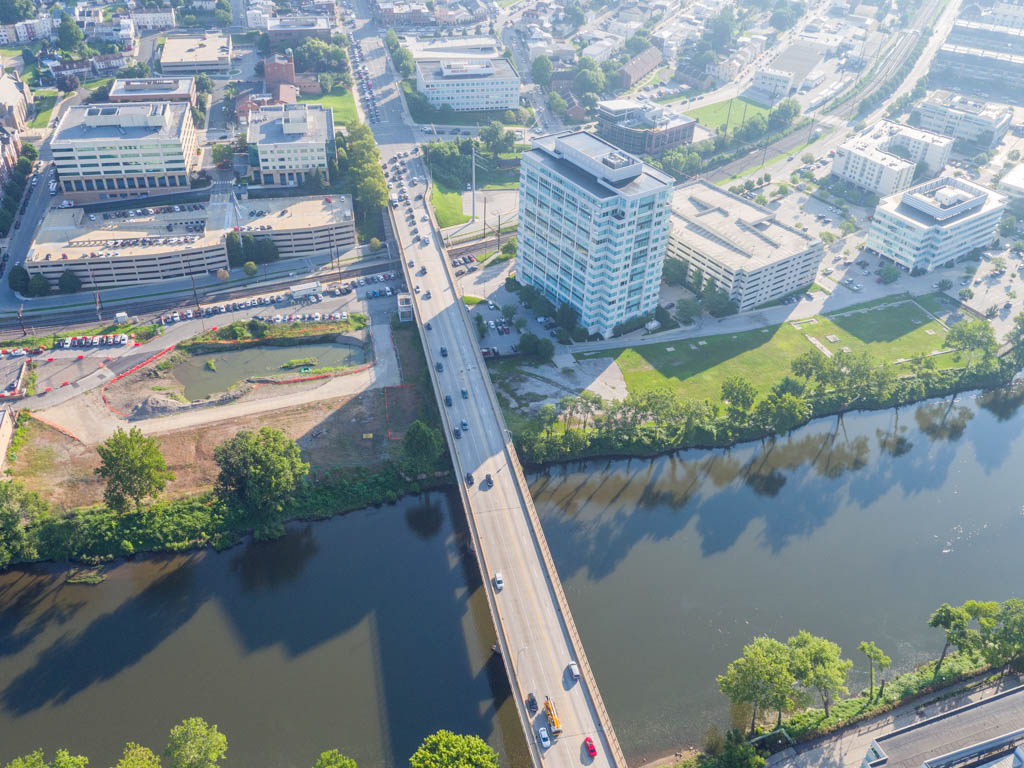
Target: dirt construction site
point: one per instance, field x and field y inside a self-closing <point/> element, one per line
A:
<point x="339" y="422"/>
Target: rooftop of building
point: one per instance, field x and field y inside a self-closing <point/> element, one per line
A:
<point x="479" y="47"/>
<point x="956" y="102"/>
<point x="597" y="166"/>
<point x="68" y="234"/>
<point x="152" y="86"/>
<point x="735" y="232"/>
<point x="445" y="70"/>
<point x="210" y="46"/>
<point x="799" y="59"/>
<point x="631" y="113"/>
<point x="289" y="23"/>
<point x="875" y="142"/>
<point x="121" y="122"/>
<point x="942" y="202"/>
<point x="1014" y="179"/>
<point x="290" y="123"/>
<point x="954" y="737"/>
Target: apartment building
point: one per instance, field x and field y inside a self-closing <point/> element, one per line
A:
<point x="740" y="245"/>
<point x="105" y="151"/>
<point x="935" y="223"/>
<point x="467" y="85"/>
<point x="287" y="142"/>
<point x="154" y="19"/>
<point x="593" y="227"/>
<point x="641" y="128"/>
<point x="153" y="89"/>
<point x="192" y="54"/>
<point x="949" y="114"/>
<point x="884" y="159"/>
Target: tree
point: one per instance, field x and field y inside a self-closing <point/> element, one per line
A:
<point x="966" y="294"/>
<point x="38" y="286"/>
<point x="18" y="508"/>
<point x="687" y="310"/>
<point x="374" y="244"/>
<point x="69" y="34"/>
<point x="69" y="282"/>
<point x="718" y="304"/>
<point x="558" y="105"/>
<point x="250" y="268"/>
<point x="1008" y="225"/>
<point x="133" y="468"/>
<point x="890" y="274"/>
<point x="496" y="138"/>
<point x="545" y="350"/>
<point x="945" y="285"/>
<point x="953" y="620"/>
<point x="68" y="83"/>
<point x="422" y="447"/>
<point x="445" y="749"/>
<point x="222" y="154"/>
<point x="761" y="677"/>
<point x="18" y="279"/>
<point x="806" y="158"/>
<point x="63" y="759"/>
<point x="233" y="244"/>
<point x="334" y="759"/>
<point x="818" y="664"/>
<point x="258" y="473"/>
<point x="739" y="394"/>
<point x="204" y="83"/>
<point x="566" y="317"/>
<point x="973" y="338"/>
<point x="875" y="658"/>
<point x="404" y="62"/>
<point x="136" y="756"/>
<point x="195" y="744"/>
<point x="540" y="71"/>
<point x="588" y="81"/>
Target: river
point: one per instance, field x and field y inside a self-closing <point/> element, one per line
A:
<point x="369" y="631"/>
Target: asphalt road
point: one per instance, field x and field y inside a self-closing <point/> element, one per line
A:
<point x="536" y="634"/>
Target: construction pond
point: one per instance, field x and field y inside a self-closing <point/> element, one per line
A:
<point x="209" y="376"/>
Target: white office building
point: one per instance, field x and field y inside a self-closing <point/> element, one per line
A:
<point x="933" y="224"/>
<point x="883" y="159"/>
<point x="468" y="85"/>
<point x="593" y="228"/>
<point x="776" y="83"/>
<point x="960" y="117"/>
<point x="740" y="245"/>
<point x="287" y="142"/>
<point x="105" y="151"/>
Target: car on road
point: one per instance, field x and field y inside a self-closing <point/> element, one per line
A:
<point x="439" y="366"/>
<point x="444" y="351"/>
<point x="457" y="432"/>
<point x="448" y="400"/>
<point x="465" y="426"/>
<point x="469" y="478"/>
<point x="588" y="745"/>
<point x="465" y="395"/>
<point x="543" y="738"/>
<point x="488" y="481"/>
<point x="574" y="670"/>
<point x="531" y="704"/>
<point x="499" y="581"/>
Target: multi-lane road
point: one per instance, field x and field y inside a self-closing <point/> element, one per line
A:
<point x="535" y="630"/>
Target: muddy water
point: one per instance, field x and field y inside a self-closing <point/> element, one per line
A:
<point x="231" y="367"/>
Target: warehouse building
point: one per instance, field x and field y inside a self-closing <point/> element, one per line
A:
<point x="740" y="245"/>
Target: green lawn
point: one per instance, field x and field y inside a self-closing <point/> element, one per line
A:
<point x="696" y="368"/>
<point x="939" y="304"/>
<point x="340" y="101"/>
<point x="45" y="102"/>
<point x="99" y="82"/>
<point x="448" y="206"/>
<point x="9" y="52"/>
<point x="713" y="115"/>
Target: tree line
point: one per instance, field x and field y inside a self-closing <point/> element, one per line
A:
<point x="194" y="743"/>
<point x="656" y="420"/>
<point x="359" y="161"/>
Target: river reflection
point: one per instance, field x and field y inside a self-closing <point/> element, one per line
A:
<point x="853" y="527"/>
<point x="369" y="631"/>
<point x="364" y="633"/>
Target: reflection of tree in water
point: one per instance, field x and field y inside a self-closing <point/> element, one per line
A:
<point x="425" y="519"/>
<point x="943" y="421"/>
<point x="894" y="441"/>
<point x="1003" y="403"/>
<point x="268" y="564"/>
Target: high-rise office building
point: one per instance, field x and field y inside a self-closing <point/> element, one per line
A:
<point x="593" y="227"/>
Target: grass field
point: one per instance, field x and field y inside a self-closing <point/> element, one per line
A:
<point x="713" y="115"/>
<point x="9" y="52"/>
<point x="45" y="102"/>
<point x="696" y="368"/>
<point x="448" y="206"/>
<point x="340" y="101"/>
<point x="99" y="82"/>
